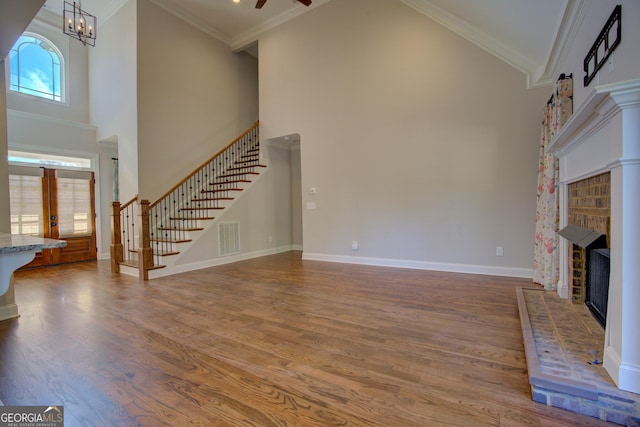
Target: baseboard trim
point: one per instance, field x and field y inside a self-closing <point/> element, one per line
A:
<point x="423" y="265"/>
<point x="183" y="268"/>
<point x="625" y="375"/>
<point x="9" y="311"/>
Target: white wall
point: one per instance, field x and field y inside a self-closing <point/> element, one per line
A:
<point x="5" y="224"/>
<point x="64" y="128"/>
<point x="296" y="197"/>
<point x="422" y="147"/>
<point x="113" y="90"/>
<point x="76" y="105"/>
<point x="624" y="63"/>
<point x="194" y="97"/>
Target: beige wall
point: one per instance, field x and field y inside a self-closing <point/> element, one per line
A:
<point x="422" y="147"/>
<point x="194" y="97"/>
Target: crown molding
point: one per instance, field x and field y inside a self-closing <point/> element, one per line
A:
<point x="472" y="34"/>
<point x="248" y="37"/>
<point x="198" y="23"/>
<point x="242" y="40"/>
<point x="537" y="75"/>
<point x="574" y="14"/>
<point x="602" y="103"/>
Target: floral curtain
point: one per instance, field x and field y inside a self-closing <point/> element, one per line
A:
<point x="546" y="256"/>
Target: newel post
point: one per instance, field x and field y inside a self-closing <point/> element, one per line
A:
<point x="116" y="238"/>
<point x="145" y="255"/>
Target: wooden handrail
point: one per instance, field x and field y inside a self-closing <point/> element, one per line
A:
<point x="186" y="178"/>
<point x="126" y="205"/>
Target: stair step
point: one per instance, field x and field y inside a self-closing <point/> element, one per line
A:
<point x="236" y="168"/>
<point x="171" y="240"/>
<point x="168" y="253"/>
<point x="191" y="218"/>
<point x="230" y="175"/>
<point x="253" y="150"/>
<point x="212" y="199"/>
<point x="220" y="190"/>
<point x="202" y="209"/>
<point x="233" y="181"/>
<point x="250" y="161"/>
<point x="181" y="228"/>
<point x="134" y="264"/>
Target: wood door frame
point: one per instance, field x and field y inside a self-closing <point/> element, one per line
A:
<point x="77" y="246"/>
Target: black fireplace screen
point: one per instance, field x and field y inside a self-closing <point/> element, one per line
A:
<point x="597" y="286"/>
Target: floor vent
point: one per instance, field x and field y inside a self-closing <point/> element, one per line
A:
<point x="229" y="238"/>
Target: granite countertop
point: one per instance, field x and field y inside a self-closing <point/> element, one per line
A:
<point x="17" y="243"/>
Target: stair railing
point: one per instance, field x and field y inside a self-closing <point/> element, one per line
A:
<point x="196" y="198"/>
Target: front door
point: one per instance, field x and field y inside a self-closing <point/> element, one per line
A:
<point x="57" y="204"/>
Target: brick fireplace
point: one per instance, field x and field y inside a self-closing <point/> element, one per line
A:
<point x="601" y="141"/>
<point x="588" y="207"/>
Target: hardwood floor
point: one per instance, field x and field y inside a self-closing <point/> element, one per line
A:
<point x="272" y="341"/>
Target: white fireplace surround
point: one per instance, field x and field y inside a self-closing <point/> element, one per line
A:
<point x="603" y="135"/>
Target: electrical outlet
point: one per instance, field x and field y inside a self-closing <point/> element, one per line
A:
<point x="499" y="251"/>
<point x="354" y="245"/>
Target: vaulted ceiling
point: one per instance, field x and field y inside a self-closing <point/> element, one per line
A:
<point x="530" y="35"/>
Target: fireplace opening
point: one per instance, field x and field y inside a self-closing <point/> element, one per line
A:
<point x="597" y="284"/>
<point x="589" y="269"/>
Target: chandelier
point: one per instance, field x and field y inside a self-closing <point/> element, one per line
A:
<point x="79" y="24"/>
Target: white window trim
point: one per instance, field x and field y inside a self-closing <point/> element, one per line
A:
<point x="64" y="73"/>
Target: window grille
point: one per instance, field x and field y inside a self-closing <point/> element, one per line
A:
<point x="35" y="68"/>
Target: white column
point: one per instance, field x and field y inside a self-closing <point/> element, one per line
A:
<point x="564" y="282"/>
<point x="622" y="344"/>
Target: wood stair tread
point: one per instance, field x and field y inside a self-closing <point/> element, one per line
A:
<point x="202" y="209"/>
<point x="212" y="199"/>
<point x="167" y="253"/>
<point x="246" y="167"/>
<point x="181" y="229"/>
<point x="171" y="240"/>
<point x="234" y="181"/>
<point x="221" y="190"/>
<point x="230" y="175"/>
<point x="135" y="264"/>
<point x="191" y="218"/>
<point x="240" y="162"/>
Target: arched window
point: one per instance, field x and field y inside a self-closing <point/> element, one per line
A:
<point x="36" y="68"/>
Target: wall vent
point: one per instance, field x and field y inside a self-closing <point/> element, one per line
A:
<point x="229" y="238"/>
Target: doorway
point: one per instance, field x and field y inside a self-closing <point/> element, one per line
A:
<point x="56" y="204"/>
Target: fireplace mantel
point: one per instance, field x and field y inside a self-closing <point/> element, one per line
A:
<point x="600" y="106"/>
<point x="603" y="135"/>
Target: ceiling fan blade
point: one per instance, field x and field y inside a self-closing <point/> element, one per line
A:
<point x="305" y="2"/>
<point x="260" y="3"/>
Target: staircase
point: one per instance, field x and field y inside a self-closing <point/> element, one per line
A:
<point x="152" y="239"/>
